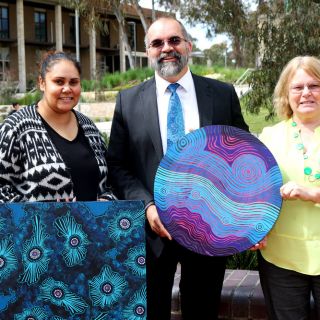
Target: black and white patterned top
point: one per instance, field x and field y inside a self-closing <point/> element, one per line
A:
<point x="31" y="168"/>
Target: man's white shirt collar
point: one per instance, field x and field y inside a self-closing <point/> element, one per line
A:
<point x="185" y="82"/>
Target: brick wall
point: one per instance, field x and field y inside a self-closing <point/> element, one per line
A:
<point x="241" y="297"/>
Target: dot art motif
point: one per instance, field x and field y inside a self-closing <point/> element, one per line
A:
<point x="217" y="190"/>
<point x="72" y="260"/>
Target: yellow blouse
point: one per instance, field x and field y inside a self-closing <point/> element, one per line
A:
<point x="294" y="241"/>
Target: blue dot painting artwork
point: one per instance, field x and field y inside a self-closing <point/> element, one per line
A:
<point x="72" y="260"/>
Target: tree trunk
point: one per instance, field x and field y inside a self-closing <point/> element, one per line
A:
<point x="21" y="47"/>
<point x="141" y="15"/>
<point x="237" y="51"/>
<point x="117" y="12"/>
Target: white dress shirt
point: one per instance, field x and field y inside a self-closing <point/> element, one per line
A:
<point x="188" y="98"/>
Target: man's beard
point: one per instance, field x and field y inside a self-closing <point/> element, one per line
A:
<point x="169" y="68"/>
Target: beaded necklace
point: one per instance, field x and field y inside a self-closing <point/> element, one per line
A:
<point x="313" y="175"/>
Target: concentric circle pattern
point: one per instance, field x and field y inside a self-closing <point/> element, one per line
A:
<point x="217" y="190"/>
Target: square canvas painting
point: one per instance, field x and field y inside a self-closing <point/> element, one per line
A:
<point x="72" y="260"/>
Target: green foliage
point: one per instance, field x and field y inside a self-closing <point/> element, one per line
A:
<point x="7" y="96"/>
<point x="230" y="74"/>
<point x="228" y="16"/>
<point x="256" y="122"/>
<point x="285" y="32"/>
<point x="105" y="137"/>
<point x="225" y="74"/>
<point x="109" y="81"/>
<point x="6" y="93"/>
<point x="30" y="98"/>
<point x="90" y="85"/>
<point x="117" y="80"/>
<point x="217" y="53"/>
<point x="244" y="260"/>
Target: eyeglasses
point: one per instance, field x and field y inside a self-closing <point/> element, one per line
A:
<point x="299" y="88"/>
<point x="172" y="42"/>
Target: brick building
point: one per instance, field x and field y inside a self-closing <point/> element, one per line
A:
<point x="27" y="28"/>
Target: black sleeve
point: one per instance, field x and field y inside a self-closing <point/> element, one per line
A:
<point x="124" y="182"/>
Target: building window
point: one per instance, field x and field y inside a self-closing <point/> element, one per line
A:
<point x="105" y="34"/>
<point x="132" y="35"/>
<point x="4" y="64"/>
<point x="72" y="30"/>
<point x="40" y="21"/>
<point x="4" y="23"/>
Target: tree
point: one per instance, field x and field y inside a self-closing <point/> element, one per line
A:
<point x="117" y="9"/>
<point x="217" y="53"/>
<point x="139" y="10"/>
<point x="228" y="16"/>
<point x="91" y="11"/>
<point x="232" y="17"/>
<point x="287" y="29"/>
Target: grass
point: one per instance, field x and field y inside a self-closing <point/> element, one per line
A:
<point x="257" y="122"/>
<point x="224" y="74"/>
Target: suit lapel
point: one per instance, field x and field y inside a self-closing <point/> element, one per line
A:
<point x="205" y="100"/>
<point x="150" y="114"/>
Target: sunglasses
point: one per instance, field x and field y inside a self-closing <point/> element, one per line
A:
<point x="172" y="42"/>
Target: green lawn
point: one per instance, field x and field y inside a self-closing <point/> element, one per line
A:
<point x="257" y="122"/>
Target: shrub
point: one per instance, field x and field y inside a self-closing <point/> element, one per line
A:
<point x="30" y="98"/>
<point x="89" y="85"/>
<point x="105" y="137"/>
<point x="245" y="260"/>
<point x="6" y="93"/>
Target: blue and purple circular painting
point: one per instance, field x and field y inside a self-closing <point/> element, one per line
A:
<point x="217" y="190"/>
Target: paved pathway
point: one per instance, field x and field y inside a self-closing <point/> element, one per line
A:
<point x="104" y="126"/>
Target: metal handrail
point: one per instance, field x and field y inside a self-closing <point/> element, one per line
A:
<point x="243" y="77"/>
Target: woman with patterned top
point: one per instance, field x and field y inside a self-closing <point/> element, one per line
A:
<point x="290" y="263"/>
<point x="48" y="151"/>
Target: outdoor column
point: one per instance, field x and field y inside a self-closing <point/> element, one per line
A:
<point x="58" y="27"/>
<point x="122" y="50"/>
<point x="77" y="35"/>
<point x="93" y="56"/>
<point x="21" y="47"/>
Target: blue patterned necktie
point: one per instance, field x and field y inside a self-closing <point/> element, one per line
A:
<point x="175" y="122"/>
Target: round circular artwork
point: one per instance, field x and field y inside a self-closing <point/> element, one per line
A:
<point x="217" y="190"/>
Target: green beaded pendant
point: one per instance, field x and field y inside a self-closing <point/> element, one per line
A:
<point x="300" y="146"/>
<point x="307" y="171"/>
<point x="317" y="176"/>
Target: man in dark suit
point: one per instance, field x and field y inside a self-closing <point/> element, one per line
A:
<point x="138" y="141"/>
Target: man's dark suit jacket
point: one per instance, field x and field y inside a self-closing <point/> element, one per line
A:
<point x="135" y="148"/>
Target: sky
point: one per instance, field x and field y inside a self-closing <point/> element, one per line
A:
<point x="198" y="32"/>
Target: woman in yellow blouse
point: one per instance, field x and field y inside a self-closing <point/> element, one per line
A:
<point x="289" y="265"/>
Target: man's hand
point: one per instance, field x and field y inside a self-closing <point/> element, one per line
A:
<point x="155" y="222"/>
